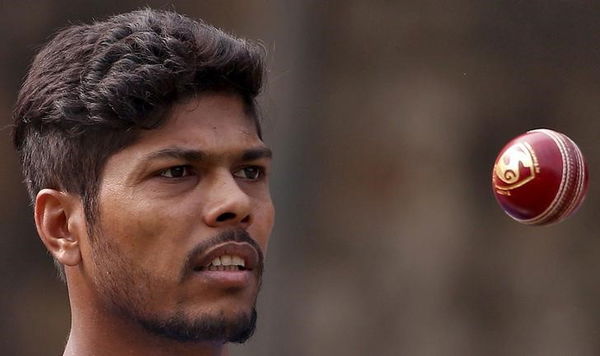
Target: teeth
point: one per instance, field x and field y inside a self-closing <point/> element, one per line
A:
<point x="226" y="261"/>
<point x="238" y="261"/>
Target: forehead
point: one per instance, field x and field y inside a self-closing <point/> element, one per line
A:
<point x="216" y="124"/>
<point x="209" y="121"/>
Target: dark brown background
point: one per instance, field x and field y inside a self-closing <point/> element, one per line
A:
<point x="386" y="117"/>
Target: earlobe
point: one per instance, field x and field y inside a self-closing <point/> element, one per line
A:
<point x="54" y="210"/>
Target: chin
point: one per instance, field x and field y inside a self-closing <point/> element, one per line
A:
<point x="218" y="326"/>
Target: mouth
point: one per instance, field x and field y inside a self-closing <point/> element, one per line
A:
<point x="224" y="263"/>
<point x="228" y="257"/>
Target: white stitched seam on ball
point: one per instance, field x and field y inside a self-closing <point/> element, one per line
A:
<point x="580" y="169"/>
<point x="551" y="210"/>
<point x="560" y="197"/>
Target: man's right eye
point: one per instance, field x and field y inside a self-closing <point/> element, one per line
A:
<point x="176" y="172"/>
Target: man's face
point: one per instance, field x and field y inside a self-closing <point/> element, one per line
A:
<point x="185" y="217"/>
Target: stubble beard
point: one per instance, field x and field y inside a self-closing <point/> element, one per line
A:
<point x="127" y="290"/>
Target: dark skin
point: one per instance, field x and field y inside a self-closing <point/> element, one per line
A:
<point x="203" y="172"/>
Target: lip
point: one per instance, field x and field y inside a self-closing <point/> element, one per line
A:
<point x="242" y="249"/>
<point x="228" y="279"/>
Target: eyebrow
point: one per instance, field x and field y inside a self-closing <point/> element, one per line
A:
<point x="257" y="153"/>
<point x="198" y="155"/>
<point x="174" y="152"/>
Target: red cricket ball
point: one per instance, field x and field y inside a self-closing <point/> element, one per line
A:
<point x="540" y="177"/>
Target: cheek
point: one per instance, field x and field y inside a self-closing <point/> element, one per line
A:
<point x="148" y="232"/>
<point x="263" y="224"/>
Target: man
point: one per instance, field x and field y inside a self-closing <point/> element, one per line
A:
<point x="142" y="152"/>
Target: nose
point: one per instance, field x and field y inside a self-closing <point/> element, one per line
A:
<point x="227" y="205"/>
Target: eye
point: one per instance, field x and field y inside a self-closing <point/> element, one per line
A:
<point x="176" y="172"/>
<point x="250" y="173"/>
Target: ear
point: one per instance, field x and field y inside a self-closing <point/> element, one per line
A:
<point x="56" y="214"/>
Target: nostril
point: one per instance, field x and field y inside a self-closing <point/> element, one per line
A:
<point x="246" y="219"/>
<point x="225" y="216"/>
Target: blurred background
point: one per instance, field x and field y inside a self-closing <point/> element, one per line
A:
<point x="386" y="118"/>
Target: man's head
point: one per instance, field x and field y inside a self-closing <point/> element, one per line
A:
<point x="141" y="149"/>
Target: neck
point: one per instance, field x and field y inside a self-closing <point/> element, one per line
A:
<point x="97" y="331"/>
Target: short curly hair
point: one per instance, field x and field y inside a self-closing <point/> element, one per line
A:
<point x="93" y="88"/>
